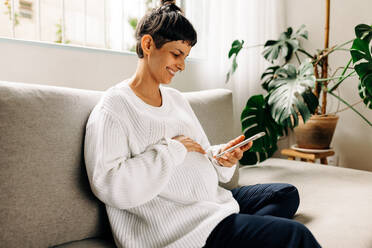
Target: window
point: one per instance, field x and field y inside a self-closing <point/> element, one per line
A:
<point x="107" y="24"/>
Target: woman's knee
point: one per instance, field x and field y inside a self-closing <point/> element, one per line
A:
<point x="277" y="199"/>
<point x="289" y="193"/>
<point x="287" y="196"/>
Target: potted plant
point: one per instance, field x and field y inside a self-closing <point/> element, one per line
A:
<point x="293" y="90"/>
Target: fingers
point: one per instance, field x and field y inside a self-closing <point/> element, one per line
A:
<point x="233" y="142"/>
<point x="237" y="140"/>
<point x="201" y="150"/>
<point x="225" y="162"/>
<point x="238" y="153"/>
<point x="195" y="147"/>
<point x="229" y="159"/>
<point x="190" y="144"/>
<point x="247" y="146"/>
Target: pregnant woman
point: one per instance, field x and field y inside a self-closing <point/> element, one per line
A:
<point x="149" y="160"/>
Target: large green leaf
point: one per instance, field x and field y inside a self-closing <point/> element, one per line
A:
<point x="364" y="32"/>
<point x="311" y="100"/>
<point x="361" y="53"/>
<point x="268" y="75"/>
<point x="256" y="118"/>
<point x="285" y="46"/>
<point x="302" y="32"/>
<point x="236" y="46"/>
<point x="290" y="95"/>
<point x="365" y="95"/>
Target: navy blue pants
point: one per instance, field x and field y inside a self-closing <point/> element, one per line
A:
<point x="264" y="220"/>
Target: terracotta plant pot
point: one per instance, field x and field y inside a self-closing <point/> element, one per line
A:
<point x="317" y="132"/>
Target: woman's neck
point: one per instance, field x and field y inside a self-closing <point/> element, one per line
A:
<point x="145" y="86"/>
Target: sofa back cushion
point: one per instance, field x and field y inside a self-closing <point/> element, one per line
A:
<point x="45" y="195"/>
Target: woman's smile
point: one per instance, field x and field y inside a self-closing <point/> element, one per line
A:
<point x="171" y="71"/>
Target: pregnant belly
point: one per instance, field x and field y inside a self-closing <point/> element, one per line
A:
<point x="193" y="180"/>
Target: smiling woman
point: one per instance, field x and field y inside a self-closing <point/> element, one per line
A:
<point x="164" y="39"/>
<point x="149" y="160"/>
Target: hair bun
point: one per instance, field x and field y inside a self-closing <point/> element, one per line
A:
<point x="167" y="2"/>
<point x="169" y="5"/>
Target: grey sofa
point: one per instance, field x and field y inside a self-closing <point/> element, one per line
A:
<point x="45" y="199"/>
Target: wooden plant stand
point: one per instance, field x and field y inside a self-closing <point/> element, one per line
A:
<point x="307" y="156"/>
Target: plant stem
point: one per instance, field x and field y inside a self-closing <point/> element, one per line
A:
<point x="339" y="68"/>
<point x="340" y="81"/>
<point x="341" y="49"/>
<point x="347" y="65"/>
<point x="253" y="46"/>
<point x="328" y="79"/>
<point x="342" y="74"/>
<point x="338" y="111"/>
<point x="350" y="106"/>
<point x="343" y="44"/>
<point x="304" y="52"/>
<point x="298" y="59"/>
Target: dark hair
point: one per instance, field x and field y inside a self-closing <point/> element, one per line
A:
<point x="165" y="24"/>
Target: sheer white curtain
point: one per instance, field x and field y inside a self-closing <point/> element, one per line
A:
<point x="254" y="21"/>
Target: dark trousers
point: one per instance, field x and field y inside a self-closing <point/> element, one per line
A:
<point x="264" y="220"/>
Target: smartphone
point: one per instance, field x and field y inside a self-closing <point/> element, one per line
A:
<point x="244" y="142"/>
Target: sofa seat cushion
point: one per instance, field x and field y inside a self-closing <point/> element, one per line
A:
<point x="335" y="203"/>
<point x="88" y="243"/>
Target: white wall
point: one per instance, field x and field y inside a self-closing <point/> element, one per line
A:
<point x="77" y="67"/>
<point x="53" y="64"/>
<point x="353" y="137"/>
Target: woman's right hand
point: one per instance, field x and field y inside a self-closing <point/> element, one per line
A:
<point x="190" y="144"/>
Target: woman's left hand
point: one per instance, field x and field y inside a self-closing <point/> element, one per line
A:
<point x="229" y="159"/>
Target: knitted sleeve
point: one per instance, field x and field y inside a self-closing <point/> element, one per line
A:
<point x="224" y="173"/>
<point x="115" y="177"/>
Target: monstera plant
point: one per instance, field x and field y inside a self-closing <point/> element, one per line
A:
<point x="293" y="89"/>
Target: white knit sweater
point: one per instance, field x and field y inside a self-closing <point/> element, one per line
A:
<point x="156" y="193"/>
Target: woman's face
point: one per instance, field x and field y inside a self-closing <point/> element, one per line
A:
<point x="168" y="60"/>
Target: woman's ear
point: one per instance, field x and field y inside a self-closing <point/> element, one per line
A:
<point x="147" y="44"/>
